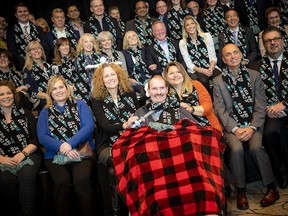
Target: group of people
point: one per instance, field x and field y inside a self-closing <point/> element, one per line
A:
<point x="74" y="89"/>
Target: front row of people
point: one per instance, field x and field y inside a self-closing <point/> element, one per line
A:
<point x="66" y="124"/>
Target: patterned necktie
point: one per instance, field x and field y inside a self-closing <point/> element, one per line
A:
<point x="26" y="35"/>
<point x="275" y="72"/>
<point x="235" y="37"/>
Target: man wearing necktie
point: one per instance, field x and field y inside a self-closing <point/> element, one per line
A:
<point x="274" y="72"/>
<point x="240" y="35"/>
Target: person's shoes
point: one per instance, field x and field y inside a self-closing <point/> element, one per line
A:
<point x="271" y="196"/>
<point x="242" y="202"/>
<point x="282" y="182"/>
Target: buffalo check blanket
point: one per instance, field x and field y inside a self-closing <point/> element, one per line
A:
<point x="176" y="172"/>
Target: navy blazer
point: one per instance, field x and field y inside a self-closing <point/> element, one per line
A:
<point x="129" y="61"/>
<point x="151" y="57"/>
<point x="50" y="38"/>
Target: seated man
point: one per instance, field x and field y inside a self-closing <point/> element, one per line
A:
<point x="166" y="110"/>
<point x="163" y="50"/>
<point x="240" y="35"/>
<point x="274" y="74"/>
<point x="169" y="170"/>
<point x="240" y="104"/>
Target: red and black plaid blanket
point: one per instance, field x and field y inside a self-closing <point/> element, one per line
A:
<point x="176" y="172"/>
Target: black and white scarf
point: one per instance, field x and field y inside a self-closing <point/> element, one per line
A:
<point x="14" y="137"/>
<point x="167" y="112"/>
<point x="111" y="26"/>
<point x="122" y="27"/>
<point x="84" y="76"/>
<point x="283" y="6"/>
<point x="66" y="69"/>
<point x="69" y="34"/>
<point x="198" y="52"/>
<point x="241" y="93"/>
<point x="22" y="41"/>
<point x="111" y="58"/>
<point x="193" y="100"/>
<point x="175" y="22"/>
<point x="267" y="75"/>
<point x="241" y="43"/>
<point x="162" y="59"/>
<point x="12" y="75"/>
<point x="118" y="114"/>
<point x="145" y="35"/>
<point x="40" y="76"/>
<point x="252" y="15"/>
<point x="140" y="72"/>
<point x="63" y="126"/>
<point x="214" y="21"/>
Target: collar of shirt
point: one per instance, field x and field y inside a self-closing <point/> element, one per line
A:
<point x="236" y="30"/>
<point x="60" y="33"/>
<point x="22" y="26"/>
<point x="162" y="42"/>
<point x="279" y="60"/>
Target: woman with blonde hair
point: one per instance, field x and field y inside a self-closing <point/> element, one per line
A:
<point x="113" y="104"/>
<point x="88" y="57"/>
<point x="191" y="94"/>
<point x="36" y="72"/>
<point x="43" y="24"/>
<point x="63" y="126"/>
<point x="105" y="42"/>
<point x="134" y="54"/>
<point x="197" y="49"/>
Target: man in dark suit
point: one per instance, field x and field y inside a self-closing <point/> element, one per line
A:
<point x="163" y="50"/>
<point x="59" y="29"/>
<point x="240" y="35"/>
<point x="142" y="23"/>
<point x="240" y="104"/>
<point x="274" y="72"/>
<point x="252" y="13"/>
<point x="100" y="21"/>
<point x="21" y="34"/>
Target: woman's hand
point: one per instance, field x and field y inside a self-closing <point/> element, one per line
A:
<point x="19" y="157"/>
<point x="206" y="72"/>
<point x="65" y="148"/>
<point x="130" y="121"/>
<point x="187" y="107"/>
<point x="73" y="154"/>
<point x="9" y="161"/>
<point x="132" y="81"/>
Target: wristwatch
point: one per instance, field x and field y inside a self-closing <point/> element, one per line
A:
<point x="25" y="154"/>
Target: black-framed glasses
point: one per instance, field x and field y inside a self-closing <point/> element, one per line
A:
<point x="275" y="39"/>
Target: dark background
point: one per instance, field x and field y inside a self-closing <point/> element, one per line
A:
<point x="43" y="8"/>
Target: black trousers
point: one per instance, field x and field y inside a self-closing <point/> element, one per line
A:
<point x="275" y="142"/>
<point x="72" y="185"/>
<point x="19" y="192"/>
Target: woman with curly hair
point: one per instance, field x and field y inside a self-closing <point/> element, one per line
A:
<point x="113" y="104"/>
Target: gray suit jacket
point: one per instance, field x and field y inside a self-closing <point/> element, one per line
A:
<point x="223" y="102"/>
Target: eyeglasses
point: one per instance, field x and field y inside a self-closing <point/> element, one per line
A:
<point x="140" y="8"/>
<point x="275" y="39"/>
<point x="229" y="54"/>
